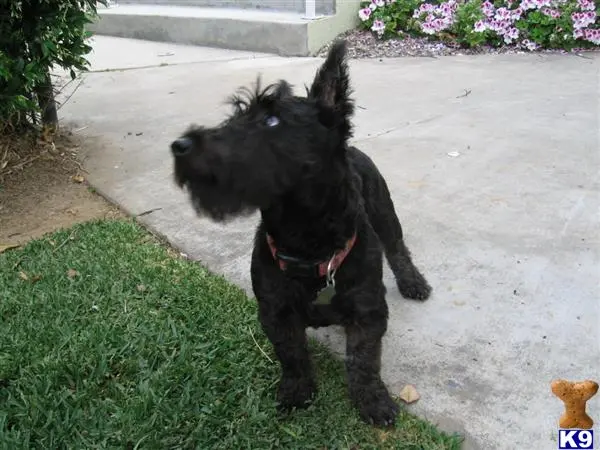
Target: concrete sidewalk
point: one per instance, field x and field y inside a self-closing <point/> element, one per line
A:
<point x="493" y="164"/>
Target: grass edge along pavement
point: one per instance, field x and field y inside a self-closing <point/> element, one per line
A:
<point x="108" y="339"/>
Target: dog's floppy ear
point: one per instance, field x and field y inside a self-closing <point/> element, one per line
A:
<point x="331" y="86"/>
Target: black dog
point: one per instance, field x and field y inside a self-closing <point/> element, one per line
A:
<point x="326" y="220"/>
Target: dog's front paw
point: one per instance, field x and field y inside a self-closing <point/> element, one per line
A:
<point x="295" y="392"/>
<point x="376" y="407"/>
<point x="415" y="287"/>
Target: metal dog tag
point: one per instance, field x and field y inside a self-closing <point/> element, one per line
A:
<point x="325" y="295"/>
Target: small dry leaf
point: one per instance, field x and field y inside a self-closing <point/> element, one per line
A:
<point x="4" y="247"/>
<point x="47" y="133"/>
<point x="416" y="184"/>
<point x="72" y="273"/>
<point x="23" y="276"/>
<point x="141" y="288"/>
<point x="36" y="278"/>
<point x="383" y="435"/>
<point x="78" y="178"/>
<point x="409" y="394"/>
<point x="4" y="164"/>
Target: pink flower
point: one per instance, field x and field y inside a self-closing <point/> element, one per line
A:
<point x="372" y="6"/>
<point x="500" y="26"/>
<point x="586" y="5"/>
<point x="445" y="9"/>
<point x="555" y="14"/>
<point x="593" y="36"/>
<point x="437" y="18"/>
<point x="425" y="7"/>
<point x="502" y="13"/>
<point x="528" y="4"/>
<point x="541" y="3"/>
<point x="379" y="3"/>
<point x="516" y="14"/>
<point x="578" y="33"/>
<point x="487" y="8"/>
<point x="583" y="19"/>
<point x="364" y="14"/>
<point x="427" y="28"/>
<point x="439" y="24"/>
<point x="511" y="33"/>
<point x="378" y="27"/>
<point x="480" y="26"/>
<point x="529" y="45"/>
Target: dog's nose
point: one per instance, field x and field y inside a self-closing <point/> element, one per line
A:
<point x="181" y="146"/>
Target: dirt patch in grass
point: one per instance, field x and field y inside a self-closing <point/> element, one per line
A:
<point x="43" y="187"/>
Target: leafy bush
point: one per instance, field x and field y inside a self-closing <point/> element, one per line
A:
<point x="36" y="35"/>
<point x="530" y="24"/>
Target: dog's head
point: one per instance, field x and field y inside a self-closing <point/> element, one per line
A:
<point x="273" y="142"/>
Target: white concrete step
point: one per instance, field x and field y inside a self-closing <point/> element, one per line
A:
<point x="283" y="33"/>
<point x="322" y="6"/>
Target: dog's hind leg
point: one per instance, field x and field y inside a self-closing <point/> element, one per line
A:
<point x="382" y="215"/>
<point x="411" y="283"/>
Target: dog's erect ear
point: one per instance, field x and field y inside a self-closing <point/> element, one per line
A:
<point x="331" y="86"/>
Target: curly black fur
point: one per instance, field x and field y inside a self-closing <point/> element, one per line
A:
<point x="289" y="157"/>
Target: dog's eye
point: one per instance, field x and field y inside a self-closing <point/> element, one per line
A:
<point x="271" y="121"/>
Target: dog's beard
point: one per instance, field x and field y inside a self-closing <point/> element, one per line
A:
<point x="216" y="204"/>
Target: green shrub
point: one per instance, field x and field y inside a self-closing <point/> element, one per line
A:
<point x="465" y="19"/>
<point x="35" y="36"/>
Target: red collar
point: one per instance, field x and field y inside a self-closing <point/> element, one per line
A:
<point x="336" y="261"/>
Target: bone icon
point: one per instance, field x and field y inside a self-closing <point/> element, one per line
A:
<point x="575" y="396"/>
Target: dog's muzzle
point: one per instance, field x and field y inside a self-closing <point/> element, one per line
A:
<point x="181" y="146"/>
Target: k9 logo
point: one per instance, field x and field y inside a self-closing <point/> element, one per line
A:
<point x="575" y="439"/>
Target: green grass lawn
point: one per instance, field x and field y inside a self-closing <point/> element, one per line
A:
<point x="109" y="341"/>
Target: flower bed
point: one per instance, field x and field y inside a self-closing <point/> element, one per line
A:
<point x="528" y="24"/>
